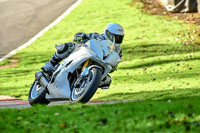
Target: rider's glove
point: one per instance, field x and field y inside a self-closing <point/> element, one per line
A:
<point x="80" y="37"/>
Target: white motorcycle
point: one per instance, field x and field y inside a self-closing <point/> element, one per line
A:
<point x="78" y="77"/>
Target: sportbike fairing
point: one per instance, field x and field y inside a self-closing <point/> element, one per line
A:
<point x="95" y="50"/>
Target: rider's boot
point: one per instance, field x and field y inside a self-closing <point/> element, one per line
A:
<point x="63" y="51"/>
<point x="105" y="83"/>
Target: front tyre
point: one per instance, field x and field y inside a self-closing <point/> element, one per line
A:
<point x="37" y="94"/>
<point x="88" y="87"/>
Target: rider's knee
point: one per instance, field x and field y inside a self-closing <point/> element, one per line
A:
<point x="63" y="50"/>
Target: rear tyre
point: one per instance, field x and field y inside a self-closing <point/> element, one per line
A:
<point x="90" y="86"/>
<point x="37" y="94"/>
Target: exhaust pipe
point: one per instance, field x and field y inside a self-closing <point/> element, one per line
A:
<point x="41" y="79"/>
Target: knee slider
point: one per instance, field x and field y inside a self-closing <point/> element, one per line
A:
<point x="61" y="48"/>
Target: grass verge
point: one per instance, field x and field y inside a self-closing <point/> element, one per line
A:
<point x="160" y="66"/>
<point x="175" y="115"/>
<point x="161" y="55"/>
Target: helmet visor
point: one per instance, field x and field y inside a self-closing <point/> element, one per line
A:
<point x="119" y="38"/>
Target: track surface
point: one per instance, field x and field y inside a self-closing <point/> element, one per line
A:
<point x="20" y="20"/>
<point x="17" y="103"/>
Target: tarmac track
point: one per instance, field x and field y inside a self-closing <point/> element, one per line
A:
<point x="20" y="20"/>
<point x="17" y="103"/>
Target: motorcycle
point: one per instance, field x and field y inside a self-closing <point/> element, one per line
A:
<point x="78" y="77"/>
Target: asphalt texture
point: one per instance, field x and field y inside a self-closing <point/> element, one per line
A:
<point x="17" y="103"/>
<point x="20" y="20"/>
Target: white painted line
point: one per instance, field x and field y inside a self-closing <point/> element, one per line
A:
<point x="42" y="31"/>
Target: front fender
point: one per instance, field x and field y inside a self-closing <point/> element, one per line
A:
<point x="78" y="61"/>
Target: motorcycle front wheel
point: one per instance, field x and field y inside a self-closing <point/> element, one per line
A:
<point x="37" y="94"/>
<point x="88" y="87"/>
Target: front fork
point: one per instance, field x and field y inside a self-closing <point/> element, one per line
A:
<point x="84" y="73"/>
<point x="86" y="64"/>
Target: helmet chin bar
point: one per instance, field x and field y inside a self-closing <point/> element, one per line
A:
<point x="117" y="45"/>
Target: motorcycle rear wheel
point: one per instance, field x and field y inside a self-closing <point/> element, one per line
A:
<point x="92" y="84"/>
<point x="37" y="94"/>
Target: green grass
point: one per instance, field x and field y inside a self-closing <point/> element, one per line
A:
<point x="160" y="66"/>
<point x="168" y="116"/>
<point x="155" y="58"/>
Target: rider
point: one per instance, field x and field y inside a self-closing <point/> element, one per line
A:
<point x="113" y="32"/>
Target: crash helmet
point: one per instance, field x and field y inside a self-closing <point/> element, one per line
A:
<point x="114" y="32"/>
